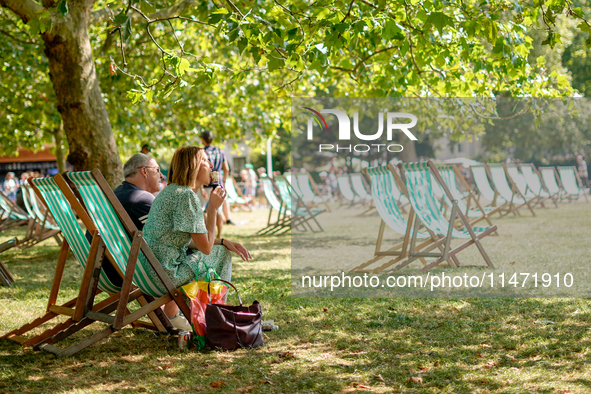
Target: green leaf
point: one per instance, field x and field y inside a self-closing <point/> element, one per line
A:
<point x="182" y="67"/>
<point x="392" y="31"/>
<point x="147" y="7"/>
<point x="34" y="26"/>
<point x="120" y="18"/>
<point x="62" y="7"/>
<point x="321" y="13"/>
<point x="439" y="20"/>
<point x="126" y="31"/>
<point x="275" y="63"/>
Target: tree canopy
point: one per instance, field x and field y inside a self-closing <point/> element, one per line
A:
<point x="165" y="68"/>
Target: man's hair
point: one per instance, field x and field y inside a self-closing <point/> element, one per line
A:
<point x="135" y="162"/>
<point x="185" y="165"/>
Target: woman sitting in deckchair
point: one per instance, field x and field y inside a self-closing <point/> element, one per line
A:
<point x="176" y="223"/>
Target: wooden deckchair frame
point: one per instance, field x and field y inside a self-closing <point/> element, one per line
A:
<point x="562" y="194"/>
<point x="40" y="230"/>
<point x="447" y="252"/>
<point x="76" y="307"/>
<point x="283" y="222"/>
<point x="401" y="250"/>
<point x="363" y="199"/>
<point x="122" y="317"/>
<point x="472" y="197"/>
<point x="313" y="188"/>
<point x="10" y="222"/>
<point x="299" y="221"/>
<point x="513" y="207"/>
<point x="488" y="178"/>
<point x="543" y="188"/>
<point x="579" y="184"/>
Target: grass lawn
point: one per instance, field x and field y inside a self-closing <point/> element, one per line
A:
<point x="327" y="345"/>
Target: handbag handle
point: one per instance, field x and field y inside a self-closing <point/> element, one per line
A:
<point x="226" y="282"/>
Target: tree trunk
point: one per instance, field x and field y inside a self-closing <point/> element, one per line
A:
<point x="79" y="98"/>
<point x="409" y="153"/>
<point x="58" y="137"/>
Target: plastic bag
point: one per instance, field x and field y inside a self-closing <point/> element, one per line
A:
<point x="196" y="291"/>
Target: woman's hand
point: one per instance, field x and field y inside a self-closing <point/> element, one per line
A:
<point x="217" y="197"/>
<point x="238" y="249"/>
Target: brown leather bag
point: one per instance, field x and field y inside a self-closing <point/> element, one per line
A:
<point x="231" y="327"/>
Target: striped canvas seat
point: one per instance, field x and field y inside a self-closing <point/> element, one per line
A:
<point x="382" y="187"/>
<point x="282" y="223"/>
<point x="113" y="231"/>
<point x="421" y="196"/>
<point x="71" y="229"/>
<point x="514" y="197"/>
<point x="535" y="184"/>
<point x="301" y="215"/>
<point x="11" y="214"/>
<point x="449" y="177"/>
<point x="571" y="182"/>
<point x="549" y="178"/>
<point x="520" y="182"/>
<point x="345" y="188"/>
<point x="359" y="187"/>
<point x="483" y="185"/>
<point x="232" y="195"/>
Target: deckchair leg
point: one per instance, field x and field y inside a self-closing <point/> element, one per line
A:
<point x="127" y="280"/>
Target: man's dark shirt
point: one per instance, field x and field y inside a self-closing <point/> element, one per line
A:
<point x="137" y="202"/>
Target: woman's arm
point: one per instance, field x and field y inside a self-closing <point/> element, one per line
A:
<point x="204" y="242"/>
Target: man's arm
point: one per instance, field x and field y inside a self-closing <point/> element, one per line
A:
<point x="226" y="169"/>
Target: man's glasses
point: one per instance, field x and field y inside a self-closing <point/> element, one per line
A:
<point x="157" y="168"/>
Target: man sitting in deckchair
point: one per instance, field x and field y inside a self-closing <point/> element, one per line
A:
<point x="142" y="178"/>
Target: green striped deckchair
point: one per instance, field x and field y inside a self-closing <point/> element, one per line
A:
<point x="536" y="185"/>
<point x="283" y="222"/>
<point x="294" y="185"/>
<point x="49" y="192"/>
<point x="113" y="224"/>
<point x="301" y="215"/>
<point x="427" y="214"/>
<point x="551" y="180"/>
<point x="450" y="175"/>
<point x="382" y="185"/>
<point x="233" y="196"/>
<point x="44" y="226"/>
<point x="12" y="215"/>
<point x="309" y="193"/>
<point x="359" y="189"/>
<point x="571" y="183"/>
<point x="347" y="193"/>
<point x="512" y="194"/>
<point x="518" y="179"/>
<point x="480" y="176"/>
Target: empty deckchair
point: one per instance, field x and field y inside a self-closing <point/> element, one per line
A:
<point x="309" y="193"/>
<point x="551" y="181"/>
<point x="44" y="226"/>
<point x="12" y="215"/>
<point x="536" y="185"/>
<point x="450" y="174"/>
<point x="49" y="192"/>
<point x="302" y="217"/>
<point x="571" y="183"/>
<point x="418" y="185"/>
<point x="359" y="188"/>
<point x="113" y="224"/>
<point x="234" y="195"/>
<point x="282" y="223"/>
<point x="346" y="191"/>
<point x="382" y="184"/>
<point x="519" y="181"/>
<point x="511" y="194"/>
<point x="480" y="176"/>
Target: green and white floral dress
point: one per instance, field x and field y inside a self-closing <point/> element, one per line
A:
<point x="174" y="215"/>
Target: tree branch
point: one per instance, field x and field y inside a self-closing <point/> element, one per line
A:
<point x="24" y="9"/>
<point x="105" y="14"/>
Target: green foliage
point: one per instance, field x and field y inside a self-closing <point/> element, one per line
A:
<point x="232" y="68"/>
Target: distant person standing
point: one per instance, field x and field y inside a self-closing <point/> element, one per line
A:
<point x="220" y="164"/>
<point x="582" y="170"/>
<point x="145" y="149"/>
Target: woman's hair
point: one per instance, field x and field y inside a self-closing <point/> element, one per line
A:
<point x="185" y="165"/>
